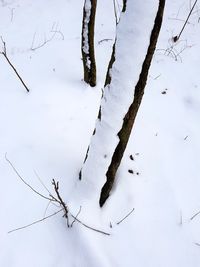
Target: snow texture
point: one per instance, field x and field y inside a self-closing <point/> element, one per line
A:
<point x="87" y="10"/>
<point x="47" y="131"/>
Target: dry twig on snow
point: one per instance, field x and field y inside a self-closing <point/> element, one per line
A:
<point x="177" y="37"/>
<point x="125" y="217"/>
<point x="4" y="53"/>
<point x="51" y="199"/>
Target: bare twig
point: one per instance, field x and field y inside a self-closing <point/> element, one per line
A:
<point x="176" y="38"/>
<point x="89" y="227"/>
<point x="157" y="77"/>
<point x="62" y="203"/>
<point x="51" y="199"/>
<point x="4" y="53"/>
<point x="22" y="179"/>
<point x="76" y="216"/>
<point x="173" y="52"/>
<point x="40" y="180"/>
<point x="53" y="30"/>
<point x="35" y="222"/>
<point x="104" y="40"/>
<point x="196" y="214"/>
<point x="125" y="216"/>
<point x="182" y="20"/>
<point x="43" y="43"/>
<point x="48" y="204"/>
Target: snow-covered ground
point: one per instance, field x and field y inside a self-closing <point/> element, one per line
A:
<point x="46" y="132"/>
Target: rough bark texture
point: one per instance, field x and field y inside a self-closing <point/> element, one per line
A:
<point x="129" y="118"/>
<point x="89" y="64"/>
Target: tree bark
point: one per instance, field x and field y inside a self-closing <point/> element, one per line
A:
<point x="130" y="116"/>
<point x="87" y="46"/>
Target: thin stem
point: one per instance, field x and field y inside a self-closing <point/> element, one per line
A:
<point x="22" y="179"/>
<point x="76" y="216"/>
<point x="125" y="216"/>
<point x="196" y="214"/>
<point x="89" y="227"/>
<point x="35" y="222"/>
<point x="176" y="38"/>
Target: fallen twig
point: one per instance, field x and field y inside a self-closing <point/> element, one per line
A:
<point x="54" y="31"/>
<point x="196" y="214"/>
<point x="59" y="200"/>
<point x="125" y="217"/>
<point x="22" y="179"/>
<point x="40" y="180"/>
<point x="89" y="227"/>
<point x="35" y="222"/>
<point x="104" y="40"/>
<point x="76" y="216"/>
<point x="62" y="203"/>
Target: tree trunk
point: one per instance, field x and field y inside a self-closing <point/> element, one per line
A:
<point x="130" y="116"/>
<point x="87" y="46"/>
<point x="126" y="80"/>
<point x="107" y="81"/>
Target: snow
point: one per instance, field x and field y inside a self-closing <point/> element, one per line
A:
<point x="48" y="130"/>
<point x="87" y="10"/>
<point x="119" y="94"/>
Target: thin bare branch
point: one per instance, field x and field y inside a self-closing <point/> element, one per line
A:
<point x="43" y="43"/>
<point x="196" y="214"/>
<point x="45" y="212"/>
<point x="35" y="222"/>
<point x="22" y="179"/>
<point x="104" y="40"/>
<point x="125" y="216"/>
<point x="4" y="53"/>
<point x="54" y="30"/>
<point x="62" y="203"/>
<point x="40" y="180"/>
<point x="177" y="37"/>
<point x="76" y="216"/>
<point x="89" y="227"/>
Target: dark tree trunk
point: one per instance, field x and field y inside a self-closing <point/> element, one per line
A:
<point x="87" y="46"/>
<point x="124" y="5"/>
<point x="129" y="118"/>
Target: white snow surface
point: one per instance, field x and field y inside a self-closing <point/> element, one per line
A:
<point x="46" y="132"/>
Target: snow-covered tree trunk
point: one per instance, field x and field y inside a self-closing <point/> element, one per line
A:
<point x="87" y="46"/>
<point x="137" y="34"/>
<point x="112" y="59"/>
<point x="107" y="80"/>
